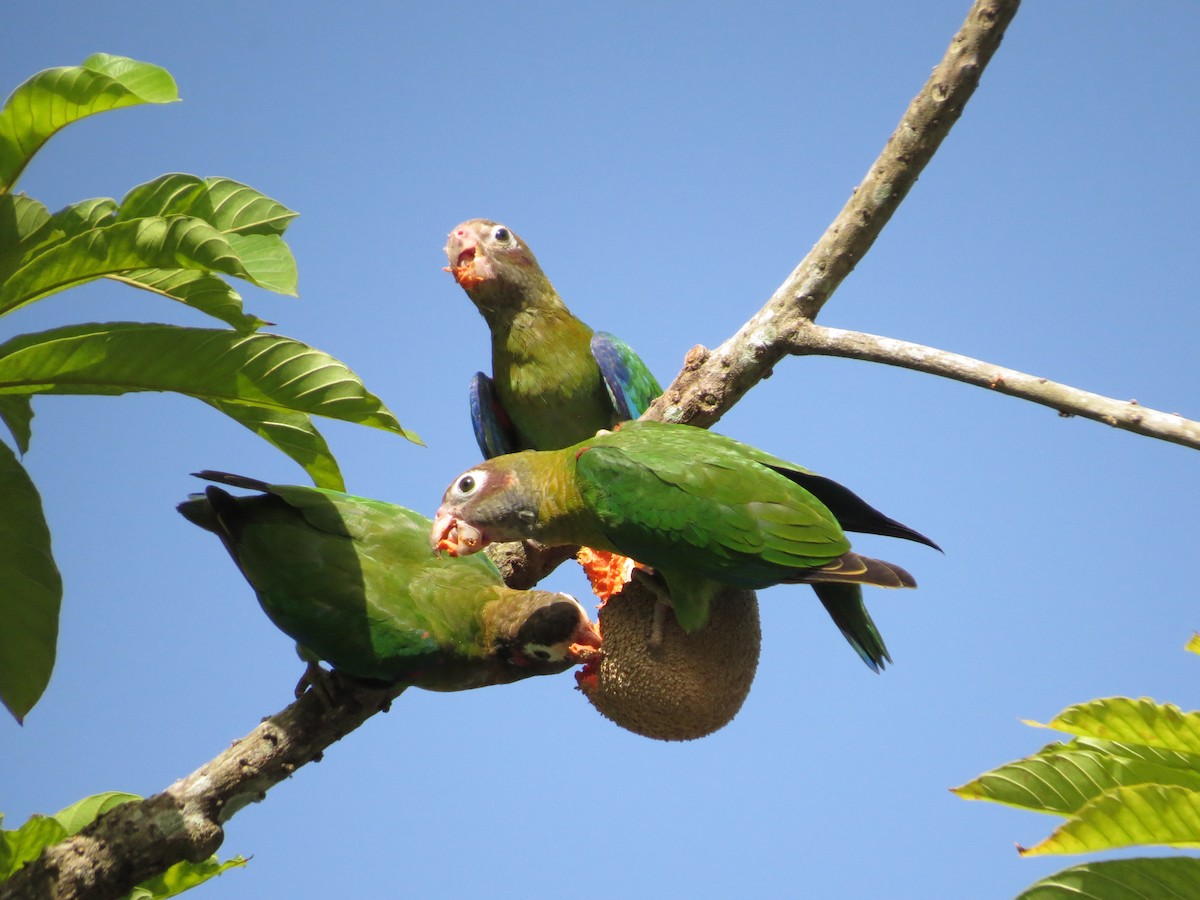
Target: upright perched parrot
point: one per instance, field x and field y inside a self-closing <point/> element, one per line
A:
<point x="701" y="509"/>
<point x="353" y="582"/>
<point x="554" y="381"/>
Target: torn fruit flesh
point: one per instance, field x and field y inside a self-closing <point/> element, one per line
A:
<point x="463" y="270"/>
<point x="587" y="679"/>
<point x="607" y="572"/>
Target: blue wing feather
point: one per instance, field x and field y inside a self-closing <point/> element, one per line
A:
<point x="631" y="386"/>
<point x="494" y="430"/>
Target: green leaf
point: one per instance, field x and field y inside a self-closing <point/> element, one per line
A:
<point x="55" y="98"/>
<point x="1159" y="878"/>
<point x="68" y="222"/>
<point x="268" y="260"/>
<point x="157" y="243"/>
<point x="252" y="222"/>
<point x="1170" y="759"/>
<point x="20" y="216"/>
<point x="17" y="413"/>
<point x="264" y="370"/>
<point x="71" y="221"/>
<point x="202" y="291"/>
<point x="227" y="205"/>
<point x="1126" y="817"/>
<point x="295" y="435"/>
<point x="39" y="259"/>
<point x="83" y="812"/>
<point x="182" y="876"/>
<point x="1061" y="778"/>
<point x="1134" y="721"/>
<point x="27" y="842"/>
<point x="30" y="590"/>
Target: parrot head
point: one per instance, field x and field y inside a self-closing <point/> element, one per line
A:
<point x="491" y="263"/>
<point x="542" y="628"/>
<point x="489" y="503"/>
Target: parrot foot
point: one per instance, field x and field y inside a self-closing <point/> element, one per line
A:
<point x="662" y="605"/>
<point x="320" y="681"/>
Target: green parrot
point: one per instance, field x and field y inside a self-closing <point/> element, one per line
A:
<point x="701" y="509"/>
<point x="554" y="381"/>
<point x="353" y="582"/>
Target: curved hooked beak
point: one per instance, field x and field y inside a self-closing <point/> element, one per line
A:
<point x="460" y="250"/>
<point x="455" y="537"/>
<point x="585" y="642"/>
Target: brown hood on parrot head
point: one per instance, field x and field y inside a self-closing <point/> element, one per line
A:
<point x="559" y="629"/>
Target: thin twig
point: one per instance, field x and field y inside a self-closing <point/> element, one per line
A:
<point x="1067" y="401"/>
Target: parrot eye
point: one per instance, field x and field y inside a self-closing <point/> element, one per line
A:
<point x="545" y="654"/>
<point x="469" y="482"/>
<point x="501" y="234"/>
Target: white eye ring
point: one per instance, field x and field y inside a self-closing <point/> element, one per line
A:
<point x="501" y="234"/>
<point x="468" y="483"/>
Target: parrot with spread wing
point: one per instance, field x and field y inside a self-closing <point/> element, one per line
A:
<point x="554" y="381"/>
<point x="352" y="581"/>
<point x="701" y="509"/>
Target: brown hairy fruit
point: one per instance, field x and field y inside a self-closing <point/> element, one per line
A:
<point x="686" y="687"/>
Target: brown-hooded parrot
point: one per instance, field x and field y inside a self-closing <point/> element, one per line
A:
<point x="554" y="381"/>
<point x="352" y="581"/>
<point x="701" y="509"/>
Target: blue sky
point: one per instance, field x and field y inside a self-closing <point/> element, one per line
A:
<point x="669" y="164"/>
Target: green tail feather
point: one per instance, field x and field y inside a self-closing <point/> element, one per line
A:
<point x="845" y="606"/>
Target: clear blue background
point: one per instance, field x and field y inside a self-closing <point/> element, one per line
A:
<point x="669" y="163"/>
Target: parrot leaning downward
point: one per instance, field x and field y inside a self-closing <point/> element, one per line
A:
<point x="554" y="381"/>
<point x="352" y="581"/>
<point x="701" y="509"/>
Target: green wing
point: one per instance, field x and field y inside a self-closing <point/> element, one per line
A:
<point x="703" y="507"/>
<point x="352" y="579"/>
<point x="675" y="499"/>
<point x="851" y="511"/>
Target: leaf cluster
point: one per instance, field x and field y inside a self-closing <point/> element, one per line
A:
<point x="1129" y="777"/>
<point x="179" y="237"/>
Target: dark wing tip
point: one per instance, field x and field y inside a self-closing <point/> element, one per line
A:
<point x="844" y="604"/>
<point x="231" y="480"/>
<point x="852" y="511"/>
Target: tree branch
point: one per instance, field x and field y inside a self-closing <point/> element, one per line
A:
<point x="1068" y="401"/>
<point x="138" y="840"/>
<point x="524" y="563"/>
<point x="711" y="384"/>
